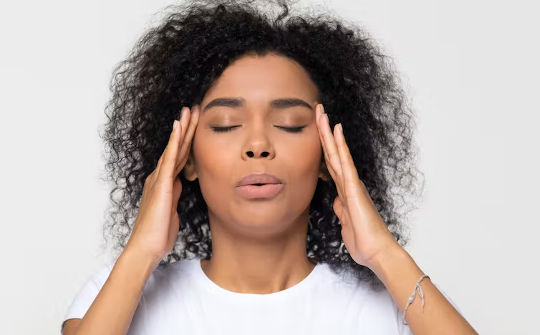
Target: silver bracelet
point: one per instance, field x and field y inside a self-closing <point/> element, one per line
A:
<point x="413" y="295"/>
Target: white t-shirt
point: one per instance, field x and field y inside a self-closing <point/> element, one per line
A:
<point x="180" y="299"/>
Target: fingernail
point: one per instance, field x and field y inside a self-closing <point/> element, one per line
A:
<point x="175" y="125"/>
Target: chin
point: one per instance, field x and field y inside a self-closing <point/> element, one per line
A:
<point x="261" y="227"/>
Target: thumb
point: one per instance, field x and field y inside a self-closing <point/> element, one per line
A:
<point x="175" y="223"/>
<point x="338" y="207"/>
<point x="177" y="191"/>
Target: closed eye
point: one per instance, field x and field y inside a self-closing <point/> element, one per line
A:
<point x="223" y="129"/>
<point x="292" y="129"/>
<point x="288" y="129"/>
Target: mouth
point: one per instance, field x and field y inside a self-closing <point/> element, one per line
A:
<point x="259" y="190"/>
<point x="259" y="186"/>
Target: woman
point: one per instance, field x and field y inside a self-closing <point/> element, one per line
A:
<point x="258" y="211"/>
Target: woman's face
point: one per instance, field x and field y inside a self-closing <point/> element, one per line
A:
<point x="254" y="88"/>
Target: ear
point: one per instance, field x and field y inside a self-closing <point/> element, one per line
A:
<point x="189" y="170"/>
<point x="323" y="173"/>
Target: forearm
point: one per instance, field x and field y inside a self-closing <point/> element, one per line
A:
<point x="114" y="307"/>
<point x="399" y="273"/>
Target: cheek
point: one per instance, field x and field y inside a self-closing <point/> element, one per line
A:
<point x="302" y="156"/>
<point x="302" y="165"/>
<point x="213" y="166"/>
<point x="211" y="157"/>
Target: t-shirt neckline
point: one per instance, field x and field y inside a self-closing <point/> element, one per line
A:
<point x="208" y="284"/>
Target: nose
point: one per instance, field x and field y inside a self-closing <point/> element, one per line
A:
<point x="258" y="146"/>
<point x="252" y="153"/>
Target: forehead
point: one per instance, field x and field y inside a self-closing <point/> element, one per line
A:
<point x="263" y="78"/>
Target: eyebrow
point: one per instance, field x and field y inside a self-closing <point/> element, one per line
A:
<point x="239" y="102"/>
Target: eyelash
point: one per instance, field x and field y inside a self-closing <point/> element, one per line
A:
<point x="288" y="129"/>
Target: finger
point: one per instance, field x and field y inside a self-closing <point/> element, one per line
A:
<point x="166" y="166"/>
<point x="185" y="116"/>
<point x="186" y="143"/>
<point x="337" y="206"/>
<point x="331" y="154"/>
<point x="181" y="131"/>
<point x="185" y="119"/>
<point x="173" y="228"/>
<point x="333" y="174"/>
<point x="330" y="145"/>
<point x="160" y="161"/>
<point x="325" y="152"/>
<point x="329" y="167"/>
<point x="349" y="169"/>
<point x="319" y="131"/>
<point x="350" y="174"/>
<point x="158" y="165"/>
<point x="177" y="191"/>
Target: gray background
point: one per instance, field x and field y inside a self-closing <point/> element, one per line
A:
<point x="471" y="71"/>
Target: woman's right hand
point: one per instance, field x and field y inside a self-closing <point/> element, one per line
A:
<point x="157" y="223"/>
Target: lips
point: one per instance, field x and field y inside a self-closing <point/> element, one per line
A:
<point x="256" y="186"/>
<point x="263" y="178"/>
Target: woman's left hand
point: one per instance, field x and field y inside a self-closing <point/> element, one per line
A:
<point x="364" y="232"/>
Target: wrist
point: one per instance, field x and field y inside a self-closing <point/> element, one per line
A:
<point x="387" y="258"/>
<point x="144" y="261"/>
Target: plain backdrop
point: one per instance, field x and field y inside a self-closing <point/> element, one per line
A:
<point x="470" y="69"/>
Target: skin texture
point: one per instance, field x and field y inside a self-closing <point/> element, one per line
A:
<point x="371" y="244"/>
<point x="181" y="63"/>
<point x="259" y="245"/>
<point x="177" y="63"/>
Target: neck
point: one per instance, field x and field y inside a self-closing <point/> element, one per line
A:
<point x="262" y="265"/>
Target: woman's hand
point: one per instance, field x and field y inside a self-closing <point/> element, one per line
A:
<point x="157" y="223"/>
<point x="363" y="230"/>
<point x="371" y="244"/>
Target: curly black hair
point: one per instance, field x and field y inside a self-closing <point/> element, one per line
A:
<point x="174" y="64"/>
